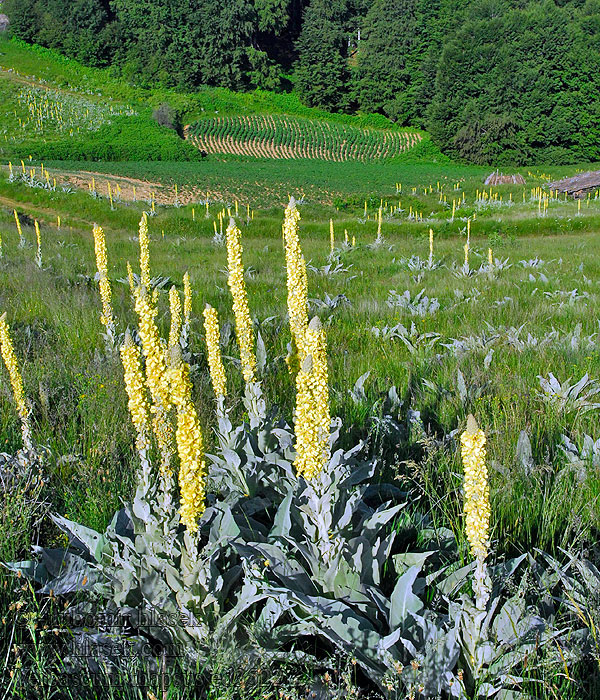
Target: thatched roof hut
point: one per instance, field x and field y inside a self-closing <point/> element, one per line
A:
<point x="497" y="178"/>
<point x="4" y="22"/>
<point x="579" y="185"/>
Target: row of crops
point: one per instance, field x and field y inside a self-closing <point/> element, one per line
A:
<point x="281" y="136"/>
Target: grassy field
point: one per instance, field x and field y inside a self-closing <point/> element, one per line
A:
<point x="454" y="338"/>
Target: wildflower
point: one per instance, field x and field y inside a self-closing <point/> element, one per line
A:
<point x="312" y="417"/>
<point x="215" y="364"/>
<point x="243" y="323"/>
<point x="192" y="466"/>
<point x="477" y="502"/>
<point x="19" y="229"/>
<point x="176" y="323"/>
<point x="103" y="282"/>
<point x="187" y="299"/>
<point x="154" y="352"/>
<point x="297" y="283"/>
<point x="130" y="278"/>
<point x="38" y="257"/>
<point x="136" y="391"/>
<point x="144" y="251"/>
<point x="16" y="381"/>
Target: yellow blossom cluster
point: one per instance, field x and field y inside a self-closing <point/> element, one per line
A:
<point x="136" y="390"/>
<point x="243" y="322"/>
<point x="192" y="466"/>
<point x="144" y="251"/>
<point x="312" y="417"/>
<point x="16" y="381"/>
<point x="103" y="281"/>
<point x="130" y="278"/>
<point x="154" y="352"/>
<point x="297" y="283"/>
<point x="215" y="364"/>
<point x="18" y="222"/>
<point x="477" y="494"/>
<point x="187" y="299"/>
<point x="176" y="321"/>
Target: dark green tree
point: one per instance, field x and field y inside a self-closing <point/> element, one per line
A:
<point x="322" y="75"/>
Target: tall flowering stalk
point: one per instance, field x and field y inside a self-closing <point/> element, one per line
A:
<point x="19" y="229"/>
<point x="312" y="417"/>
<point x="192" y="466"/>
<point x="237" y="285"/>
<point x="144" y="251"/>
<point x="477" y="504"/>
<point x="297" y="282"/>
<point x="103" y="282"/>
<point x="430" y="247"/>
<point x="38" y="236"/>
<point x="138" y="404"/>
<point x="16" y="381"/>
<point x="215" y="363"/>
<point x="130" y="279"/>
<point x="176" y="320"/>
<point x="187" y="310"/>
<point x="153" y="348"/>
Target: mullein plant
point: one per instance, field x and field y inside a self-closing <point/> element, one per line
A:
<point x="154" y="350"/>
<point x="16" y="381"/>
<point x="187" y="312"/>
<point x="244" y="331"/>
<point x="215" y="363"/>
<point x="297" y="285"/>
<point x="106" y="317"/>
<point x="38" y="237"/>
<point x="19" y="229"/>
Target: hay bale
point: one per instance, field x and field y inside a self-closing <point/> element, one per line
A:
<point x="497" y="178"/>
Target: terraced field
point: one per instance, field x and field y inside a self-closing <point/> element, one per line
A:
<point x="291" y="138"/>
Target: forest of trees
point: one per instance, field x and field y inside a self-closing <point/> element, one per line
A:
<point x="493" y="81"/>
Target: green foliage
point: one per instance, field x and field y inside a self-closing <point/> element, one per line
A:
<point x="497" y="101"/>
<point x="322" y="77"/>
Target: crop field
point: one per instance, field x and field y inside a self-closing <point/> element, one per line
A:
<point x="274" y="136"/>
<point x="283" y="427"/>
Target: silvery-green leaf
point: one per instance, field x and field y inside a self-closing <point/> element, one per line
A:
<point x="461" y="386"/>
<point x="282" y="522"/>
<point x="456" y="579"/>
<point x="524" y="453"/>
<point x="84" y="538"/>
<point x="403" y="601"/>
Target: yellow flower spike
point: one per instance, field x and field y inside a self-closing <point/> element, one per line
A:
<point x="103" y="281"/>
<point x="136" y="391"/>
<point x="215" y="364"/>
<point x="243" y="323"/>
<point x="153" y="348"/>
<point x="312" y="418"/>
<point x="176" y="320"/>
<point x="490" y="258"/>
<point x="187" y="299"/>
<point x="144" y="251"/>
<point x="16" y="381"/>
<point x="19" y="229"/>
<point x="38" y="236"/>
<point x="477" y="503"/>
<point x="130" y="278"/>
<point x="297" y="282"/>
<point x="190" y="448"/>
